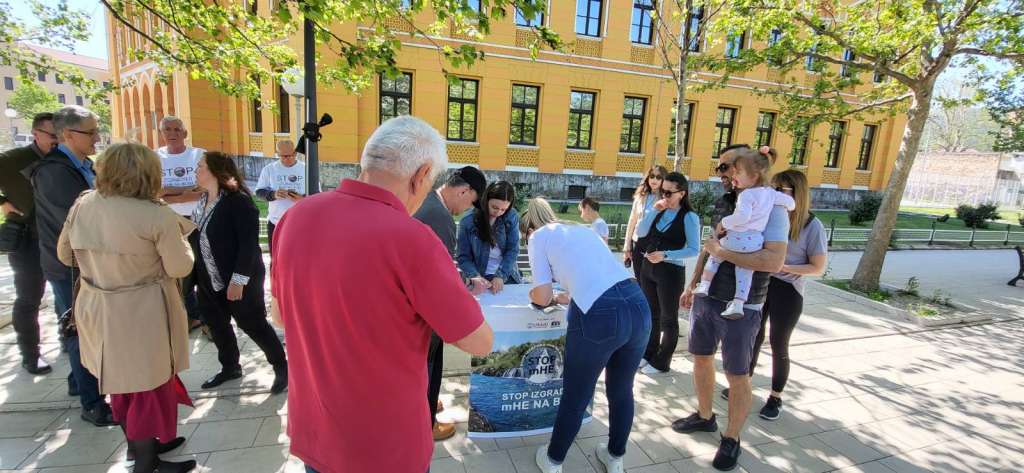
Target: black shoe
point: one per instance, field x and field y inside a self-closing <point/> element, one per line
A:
<point x="728" y="454"/>
<point x="175" y="467"/>
<point x="280" y="380"/>
<point x="99" y="416"/>
<point x="771" y="408"/>
<point x="221" y="378"/>
<point x="36" y="366"/>
<point x="72" y="391"/>
<point x="694" y="423"/>
<point x="725" y="394"/>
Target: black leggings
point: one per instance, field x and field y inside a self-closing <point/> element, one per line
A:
<point x="783" y="306"/>
<point x="662" y="284"/>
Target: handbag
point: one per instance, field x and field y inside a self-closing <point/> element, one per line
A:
<point x="12" y="235"/>
<point x="66" y="322"/>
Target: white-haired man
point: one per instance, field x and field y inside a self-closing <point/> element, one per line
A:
<point x="359" y="306"/>
<point x="179" y="162"/>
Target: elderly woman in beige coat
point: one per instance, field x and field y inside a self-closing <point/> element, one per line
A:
<point x="131" y="248"/>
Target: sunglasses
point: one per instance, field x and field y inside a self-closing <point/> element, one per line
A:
<point x="669" y="193"/>
<point x="783" y="189"/>
<point x="723" y="167"/>
<point x="656" y="176"/>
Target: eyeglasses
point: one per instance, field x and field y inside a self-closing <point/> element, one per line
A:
<point x="89" y="133"/>
<point x="51" y="135"/>
<point x="723" y="167"/>
<point x="656" y="176"/>
<point x="669" y="193"/>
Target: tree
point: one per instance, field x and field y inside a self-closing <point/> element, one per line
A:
<point x="1006" y="105"/>
<point x="30" y="98"/>
<point x="59" y="27"/>
<point x="957" y="123"/>
<point x="685" y="26"/>
<point x="234" y="47"/>
<point x="907" y="44"/>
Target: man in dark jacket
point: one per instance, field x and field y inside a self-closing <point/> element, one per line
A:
<point x="58" y="180"/>
<point x="457" y="195"/>
<point x="18" y="207"/>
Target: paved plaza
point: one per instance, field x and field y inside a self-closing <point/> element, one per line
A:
<point x="868" y="393"/>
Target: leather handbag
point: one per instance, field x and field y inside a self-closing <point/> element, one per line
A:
<point x="12" y="236"/>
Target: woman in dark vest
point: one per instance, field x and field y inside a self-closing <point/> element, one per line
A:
<point x="806" y="255"/>
<point x="667" y="236"/>
<point x="230" y="270"/>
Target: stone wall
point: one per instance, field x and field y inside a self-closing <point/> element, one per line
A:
<point x="557" y="186"/>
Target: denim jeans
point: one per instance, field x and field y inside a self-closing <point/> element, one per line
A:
<point x="612" y="337"/>
<point x="88" y="386"/>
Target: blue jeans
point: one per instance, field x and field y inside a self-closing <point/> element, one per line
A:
<point x="88" y="386"/>
<point x="611" y="336"/>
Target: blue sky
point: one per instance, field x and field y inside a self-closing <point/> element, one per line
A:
<point x="97" y="44"/>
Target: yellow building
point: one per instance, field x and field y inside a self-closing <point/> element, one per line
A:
<point x="515" y="114"/>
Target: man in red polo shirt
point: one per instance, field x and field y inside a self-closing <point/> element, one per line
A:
<point x="359" y="285"/>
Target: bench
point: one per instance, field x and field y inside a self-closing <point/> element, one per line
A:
<point x="1020" y="272"/>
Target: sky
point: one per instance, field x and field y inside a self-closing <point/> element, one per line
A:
<point x="97" y="44"/>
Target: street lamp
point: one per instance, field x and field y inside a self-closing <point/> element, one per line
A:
<point x="297" y="90"/>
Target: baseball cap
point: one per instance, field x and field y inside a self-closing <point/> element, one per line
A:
<point x="475" y="178"/>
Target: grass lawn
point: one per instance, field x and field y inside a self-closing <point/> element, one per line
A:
<point x="1008" y="215"/>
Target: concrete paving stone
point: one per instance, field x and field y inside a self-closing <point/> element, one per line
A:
<point x="838" y="413"/>
<point x="183" y="430"/>
<point x="223" y="435"/>
<point x="915" y="431"/>
<point x="273" y="431"/>
<point x="524" y="459"/>
<point x="65" y="448"/>
<point x="870" y="467"/>
<point x="849" y="447"/>
<point x="25" y="424"/>
<point x="658" y="468"/>
<point x="635" y="456"/>
<point x="904" y="464"/>
<point x="447" y="465"/>
<point x="702" y="464"/>
<point x="273" y="459"/>
<point x="259" y="405"/>
<point x="207" y="409"/>
<point x="14" y="451"/>
<point x="797" y="455"/>
<point x="690" y="445"/>
<point x="489" y="462"/>
<point x="960" y="456"/>
<point x="656" y="446"/>
<point x="461" y="445"/>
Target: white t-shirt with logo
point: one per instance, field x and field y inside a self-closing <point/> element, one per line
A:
<point x="276" y="176"/>
<point x="180" y="171"/>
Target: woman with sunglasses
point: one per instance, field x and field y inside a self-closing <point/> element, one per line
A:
<point x="668" y="235"/>
<point x="806" y="255"/>
<point x="647" y="193"/>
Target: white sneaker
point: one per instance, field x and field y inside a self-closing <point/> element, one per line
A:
<point x="643" y="364"/>
<point x="544" y="462"/>
<point x="612" y="464"/>
<point x="702" y="288"/>
<point x="734" y="310"/>
<point x="650" y="370"/>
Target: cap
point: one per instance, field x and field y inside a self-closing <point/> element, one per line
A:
<point x="475" y="178"/>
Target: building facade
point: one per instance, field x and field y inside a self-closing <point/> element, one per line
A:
<point x="92" y="67"/>
<point x="603" y="107"/>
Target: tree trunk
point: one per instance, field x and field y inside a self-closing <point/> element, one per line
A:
<point x="684" y="55"/>
<point x="869" y="269"/>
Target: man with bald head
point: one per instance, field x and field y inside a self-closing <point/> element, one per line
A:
<point x="179" y="162"/>
<point x="282" y="183"/>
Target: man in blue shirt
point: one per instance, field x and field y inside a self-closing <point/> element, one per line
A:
<point x="58" y="179"/>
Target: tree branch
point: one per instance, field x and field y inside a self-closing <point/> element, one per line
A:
<point x="124" y="21"/>
<point x="993" y="54"/>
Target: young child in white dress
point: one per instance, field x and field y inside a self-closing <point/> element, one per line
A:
<point x="745" y="227"/>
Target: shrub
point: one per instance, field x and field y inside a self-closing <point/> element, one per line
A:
<point x="977" y="217"/>
<point x="866" y="208"/>
<point x="1021" y="219"/>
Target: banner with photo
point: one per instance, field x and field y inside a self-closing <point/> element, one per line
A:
<point x="516" y="389"/>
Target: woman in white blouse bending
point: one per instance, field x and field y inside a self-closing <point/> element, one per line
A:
<point x="609" y="323"/>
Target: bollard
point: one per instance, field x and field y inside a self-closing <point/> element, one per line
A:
<point x="931" y="237"/>
<point x="1006" y="241"/>
<point x="832" y="232"/>
<point x="971" y="243"/>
